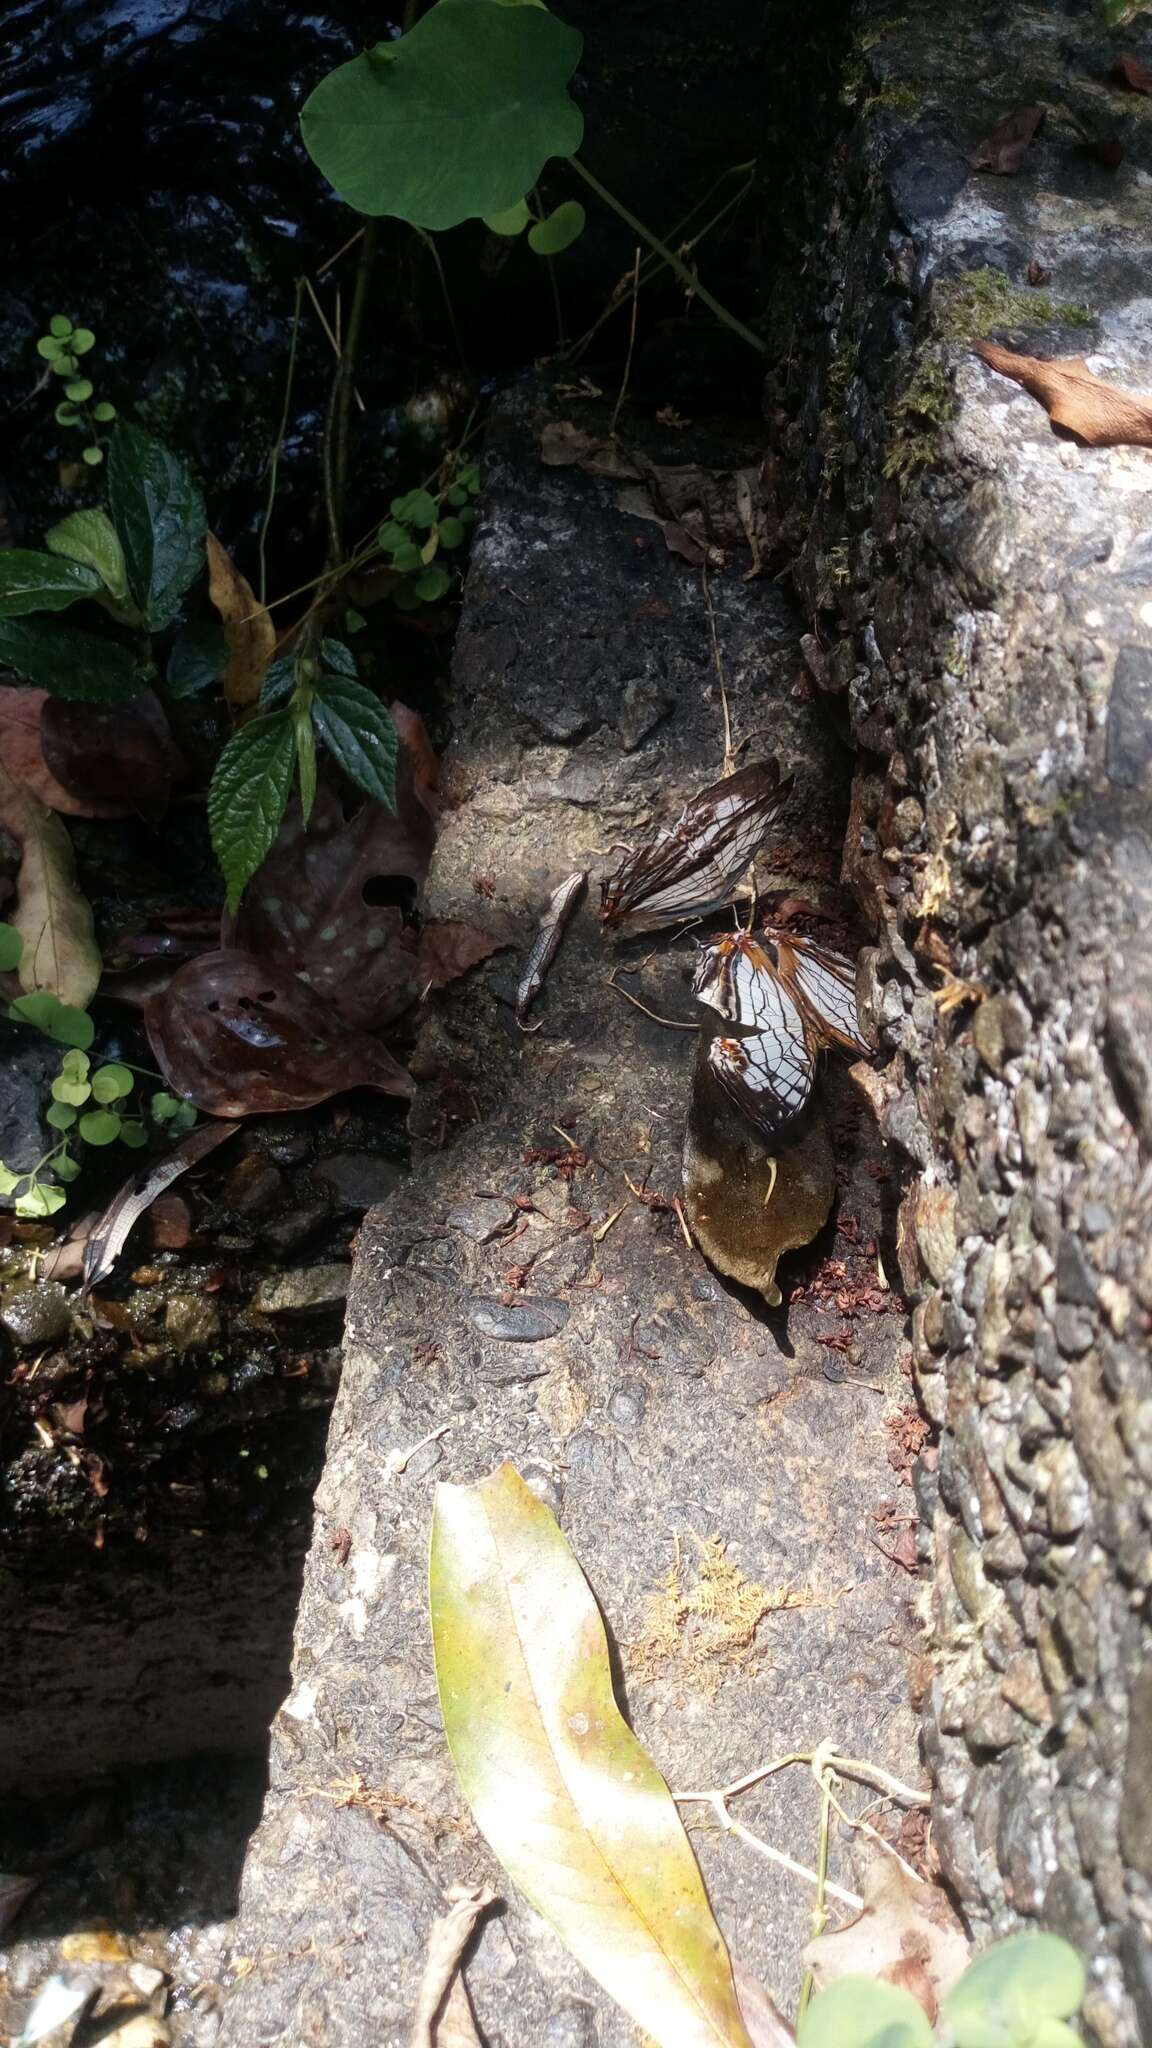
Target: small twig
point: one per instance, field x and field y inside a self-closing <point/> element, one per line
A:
<point x="278" y="445"/>
<point x="743" y="1834"/>
<point x="429" y="242"/>
<point x="330" y="337"/>
<point x="341" y="251"/>
<point x="340" y="408"/>
<point x="397" y="1461"/>
<point x="682" y="1220"/>
<point x="729" y="756"/>
<point x="673" y="1023"/>
<point x="602" y="1229"/>
<point x="621" y="395"/>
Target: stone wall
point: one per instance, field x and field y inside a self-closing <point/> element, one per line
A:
<point x="981" y="609"/>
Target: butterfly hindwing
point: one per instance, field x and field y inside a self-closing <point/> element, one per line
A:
<point x="693" y="867"/>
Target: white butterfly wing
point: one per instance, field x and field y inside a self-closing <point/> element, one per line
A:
<point x="768" y="1072"/>
<point x="828" y="983"/>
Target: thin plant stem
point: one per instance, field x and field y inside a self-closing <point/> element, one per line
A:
<point x="719" y="667"/>
<point x="819" y="1920"/>
<point x="278" y="445"/>
<point x="340" y="409"/>
<point x="429" y="242"/>
<point x="326" y="324"/>
<point x="681" y="270"/>
<point x="623" y="391"/>
<point x="341" y="251"/>
<point x="652" y="265"/>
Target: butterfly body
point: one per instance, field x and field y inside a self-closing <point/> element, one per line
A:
<point x="789" y="999"/>
<point x="695" y="865"/>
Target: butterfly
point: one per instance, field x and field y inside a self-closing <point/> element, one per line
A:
<point x="693" y="867"/>
<point x="790" y="999"/>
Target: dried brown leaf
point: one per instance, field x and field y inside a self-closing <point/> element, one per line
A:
<point x="449" y="948"/>
<point x="239" y="1037"/>
<point x="248" y="630"/>
<point x="1099" y="414"/>
<point x="906" y="1934"/>
<point x="23" y="756"/>
<point x="1132" y="73"/>
<point x="443" y="2016"/>
<point x="564" y="445"/>
<point x="766" y="2024"/>
<point x="53" y="918"/>
<point x="121" y="755"/>
<point x="1003" y="149"/>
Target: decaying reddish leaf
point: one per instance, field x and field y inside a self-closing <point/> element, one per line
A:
<point x="248" y="630"/>
<point x="23" y="756"/>
<point x="907" y="1934"/>
<point x="336" y="904"/>
<point x="112" y="754"/>
<point x="449" y="947"/>
<point x="239" y="1037"/>
<point x="1133" y="73"/>
<point x="1003" y="149"/>
<point x="1098" y="414"/>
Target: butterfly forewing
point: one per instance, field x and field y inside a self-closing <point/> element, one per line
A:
<point x="694" y="866"/>
<point x="826" y="984"/>
<point x="789" y="998"/>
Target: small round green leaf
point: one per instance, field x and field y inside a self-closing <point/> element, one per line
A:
<point x="50" y="349"/>
<point x="79" y="390"/>
<point x="41" y="1200"/>
<point x="133" y="1133"/>
<point x="1024" y="1979"/>
<point x="392" y="535"/>
<point x="470" y="478"/>
<point x="104" y="411"/>
<point x="451" y="533"/>
<point x="110" y="1083"/>
<point x="468" y="515"/>
<point x="405" y="599"/>
<point x="559" y="231"/>
<point x="415" y="508"/>
<point x="457" y="495"/>
<point x="431" y="586"/>
<point x="59" y="1021"/>
<point x="100" y="1127"/>
<point x="65" y="1167"/>
<point x="90" y="537"/>
<point x="860" y="2012"/>
<point x="407" y="558"/>
<point x="65" y="365"/>
<point x="92" y="456"/>
<point x="75" y="1064"/>
<point x="354" y="622"/>
<point x="66" y="416"/>
<point x="82" y="340"/>
<point x="60" y="325"/>
<point x="164" y="1106"/>
<point x="73" y="1093"/>
<point x="9" y="1180"/>
<point x="11" y="947"/>
<point x="60" y="1115"/>
<point x="453" y="120"/>
<point x="512" y="221"/>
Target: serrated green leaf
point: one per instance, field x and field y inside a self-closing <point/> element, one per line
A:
<point x="63" y="1023"/>
<point x="90" y="537"/>
<point x="415" y="508"/>
<point x="248" y="796"/>
<point x="158" y="511"/>
<point x="72" y="1092"/>
<point x="512" y="221"/>
<point x="79" y="390"/>
<point x="100" y="1127"/>
<point x="305" y="755"/>
<point x="358" y="731"/>
<point x="133" y="1133"/>
<point x="41" y="1200"/>
<point x="564" y="1792"/>
<point x="861" y="2012"/>
<point x="1016" y="1983"/>
<point x="11" y="947"/>
<point x="458" y="121"/>
<point x="111" y="1082"/>
<point x="32" y="582"/>
<point x="432" y="585"/>
<point x="65" y="1167"/>
<point x="61" y="1115"/>
<point x="281" y="679"/>
<point x="198" y="658"/>
<point x="337" y="658"/>
<point x="558" y="232"/>
<point x="82" y="340"/>
<point x="451" y="532"/>
<point x="60" y="326"/>
<point x="71" y="663"/>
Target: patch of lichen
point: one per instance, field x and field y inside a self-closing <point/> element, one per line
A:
<point x="964" y="308"/>
<point x="709" y="1622"/>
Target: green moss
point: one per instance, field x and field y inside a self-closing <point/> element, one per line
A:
<point x="963" y="309"/>
<point x="894" y="99"/>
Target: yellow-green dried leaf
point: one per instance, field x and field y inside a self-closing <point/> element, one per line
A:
<point x="52" y="917"/>
<point x="569" y="1800"/>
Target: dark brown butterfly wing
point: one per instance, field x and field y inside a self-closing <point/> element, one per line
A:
<point x="693" y="867"/>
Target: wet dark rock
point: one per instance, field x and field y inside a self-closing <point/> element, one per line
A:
<point x="288" y="1233"/>
<point x="301" y="1292"/>
<point x="359" y="1179"/>
<point x="191" y="1321"/>
<point x="254" y="1186"/>
<point x="30" y="1063"/>
<point x="37" y="1315"/>
<point x="283" y="1139"/>
<point x="518" y="1322"/>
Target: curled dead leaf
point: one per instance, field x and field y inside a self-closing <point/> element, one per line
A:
<point x="1099" y="414"/>
<point x="248" y="630"/>
<point x="118" y="754"/>
<point x="52" y="917"/>
<point x="907" y="1934"/>
<point x="238" y="1037"/>
<point x="449" y="948"/>
<point x="1003" y="149"/>
<point x="1132" y="73"/>
<point x="23" y="756"/>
